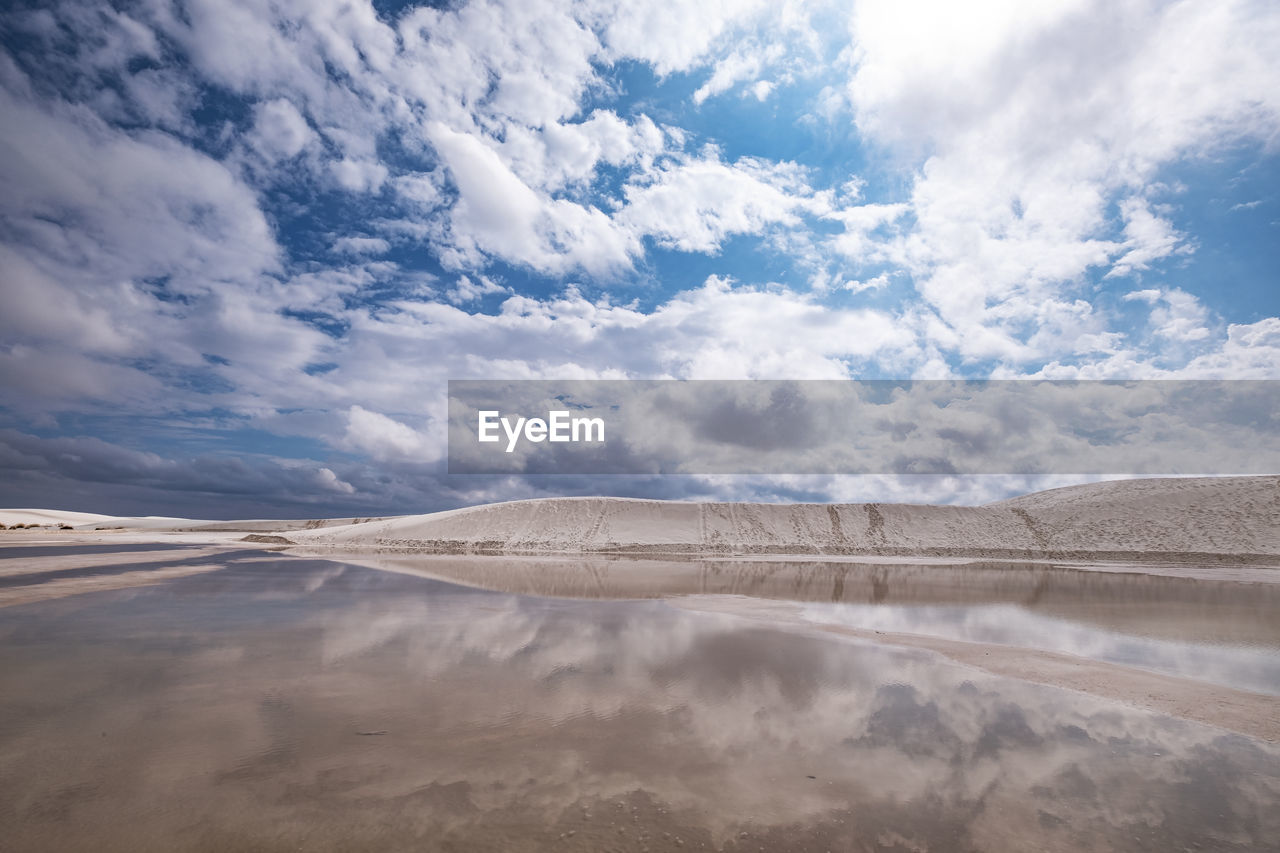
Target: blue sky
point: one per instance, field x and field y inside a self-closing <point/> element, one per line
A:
<point x="244" y="245"/>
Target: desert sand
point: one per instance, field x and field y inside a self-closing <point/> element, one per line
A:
<point x="1218" y="520"/>
<point x="1221" y="519"/>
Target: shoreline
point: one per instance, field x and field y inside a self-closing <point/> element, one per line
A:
<point x="1240" y="568"/>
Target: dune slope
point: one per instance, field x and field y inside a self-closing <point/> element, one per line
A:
<point x="1225" y="518"/>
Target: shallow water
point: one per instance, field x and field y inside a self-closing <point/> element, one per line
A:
<point x="926" y="598"/>
<point x="14" y="552"/>
<point x="307" y="704"/>
<point x="1249" y="666"/>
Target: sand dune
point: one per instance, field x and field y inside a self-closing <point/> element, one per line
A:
<point x="96" y="521"/>
<point x="1218" y="519"/>
<point x="51" y="517"/>
<point x="1225" y="518"/>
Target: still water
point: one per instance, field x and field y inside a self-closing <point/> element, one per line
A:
<point x="309" y="704"/>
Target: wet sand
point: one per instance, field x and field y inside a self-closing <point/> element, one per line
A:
<point x="287" y="702"/>
<point x="40" y="571"/>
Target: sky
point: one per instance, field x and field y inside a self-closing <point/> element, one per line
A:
<point x="245" y="244"/>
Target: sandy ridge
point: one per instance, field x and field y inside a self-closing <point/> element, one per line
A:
<point x="1224" y="519"/>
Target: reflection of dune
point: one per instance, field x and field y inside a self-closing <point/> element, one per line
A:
<point x="1227" y="518"/>
<point x="1147" y="605"/>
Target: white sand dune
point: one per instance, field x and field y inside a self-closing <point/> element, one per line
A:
<point x="268" y="525"/>
<point x="1222" y="517"/>
<point x="53" y="517"/>
<point x="90" y="521"/>
<point x="1218" y="518"/>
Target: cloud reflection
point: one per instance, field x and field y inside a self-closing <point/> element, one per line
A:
<point x="232" y="711"/>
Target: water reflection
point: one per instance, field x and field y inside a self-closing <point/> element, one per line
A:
<point x="1176" y="608"/>
<point x="1251" y="668"/>
<point x="328" y="707"/>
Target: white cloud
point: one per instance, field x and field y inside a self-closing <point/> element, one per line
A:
<point x="360" y="246"/>
<point x="1251" y="351"/>
<point x="422" y="189"/>
<point x="1150" y="296"/>
<point x="329" y="481"/>
<point x="695" y="204"/>
<point x="876" y="283"/>
<point x="717" y="330"/>
<point x="860" y="221"/>
<point x="558" y="155"/>
<point x="1148" y="238"/>
<point x="163" y="98"/>
<point x="672" y="35"/>
<point x="156" y="206"/>
<point x="496" y="213"/>
<point x="742" y="64"/>
<point x="1025" y="137"/>
<point x="359" y="176"/>
<point x="279" y="130"/>
<point x="128" y="247"/>
<point x="384" y="438"/>
<point x="468" y="290"/>
<point x="1034" y="118"/>
<point x="1177" y="315"/>
<point x="494" y="88"/>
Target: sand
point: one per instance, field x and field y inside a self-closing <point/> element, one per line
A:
<point x="1219" y="520"/>
<point x="60" y="520"/>
<point x="1185" y="524"/>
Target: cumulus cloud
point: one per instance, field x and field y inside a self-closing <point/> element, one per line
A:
<point x="742" y="64"/>
<point x="1148" y="237"/>
<point x="562" y="155"/>
<point x="358" y="176"/>
<point x="468" y="290"/>
<point x="1040" y="126"/>
<point x="497" y="213"/>
<point x="199" y="203"/>
<point x="1251" y="349"/>
<point x="360" y="246"/>
<point x="672" y="35"/>
<point x="695" y="204"/>
<point x="383" y="437"/>
<point x="279" y="130"/>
